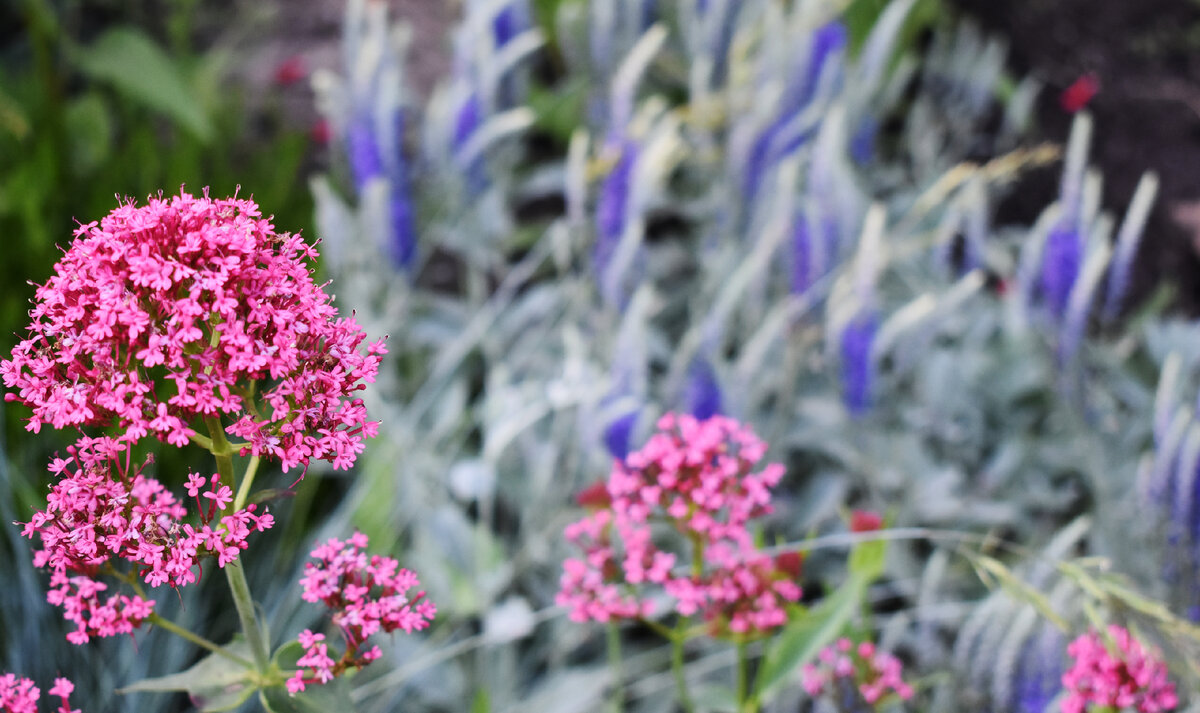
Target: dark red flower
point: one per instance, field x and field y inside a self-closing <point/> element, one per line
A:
<point x="291" y="70"/>
<point x="1081" y="91"/>
<point x="595" y="495"/>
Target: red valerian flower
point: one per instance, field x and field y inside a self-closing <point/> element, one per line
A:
<point x="367" y="595"/>
<point x="192" y="308"/>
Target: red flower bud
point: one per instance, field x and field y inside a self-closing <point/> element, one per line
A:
<point x="594" y="496"/>
<point x="865" y="521"/>
<point x="291" y="70"/>
<point x="1081" y="91"/>
<point x="790" y="562"/>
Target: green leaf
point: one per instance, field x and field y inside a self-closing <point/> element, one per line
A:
<point x="808" y="632"/>
<point x="482" y="702"/>
<point x="868" y="559"/>
<point x="215" y="683"/>
<point x="14" y="118"/>
<point x="315" y="698"/>
<point x="135" y="65"/>
<point x="89" y="128"/>
<point x="559" y="111"/>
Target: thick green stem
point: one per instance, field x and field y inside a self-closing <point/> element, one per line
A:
<point x="234" y="573"/>
<point x="196" y="639"/>
<point x="685" y="699"/>
<point x="247" y="480"/>
<point x="245" y="609"/>
<point x="221" y="450"/>
<point x="614" y="660"/>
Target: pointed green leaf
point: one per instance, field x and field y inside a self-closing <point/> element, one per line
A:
<point x="136" y="66"/>
<point x="215" y="683"/>
<point x="808" y="632"/>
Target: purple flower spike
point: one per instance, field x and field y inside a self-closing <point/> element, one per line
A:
<point x="612" y="207"/>
<point x="366" y="161"/>
<point x="1038" y="679"/>
<point x="505" y="25"/>
<point x="802" y="256"/>
<point x="827" y="41"/>
<point x="862" y="144"/>
<point x="857" y="369"/>
<point x="617" y="434"/>
<point x="1061" y="262"/>
<point x="703" y="395"/>
<point x="467" y="120"/>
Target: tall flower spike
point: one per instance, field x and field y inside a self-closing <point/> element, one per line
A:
<point x="782" y="136"/>
<point x="858" y="369"/>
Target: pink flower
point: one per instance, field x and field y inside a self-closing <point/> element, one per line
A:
<point x="102" y="513"/>
<point x="1127" y="676"/>
<point x="366" y="595"/>
<point x="843" y="669"/>
<point x="205" y="294"/>
<point x="19" y="695"/>
<point x="699" y="478"/>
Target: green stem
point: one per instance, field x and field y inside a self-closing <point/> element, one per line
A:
<point x="234" y="573"/>
<point x="614" y="660"/>
<point x="685" y="700"/>
<point x="245" y="609"/>
<point x="221" y="450"/>
<point x="247" y="480"/>
<point x="196" y="639"/>
<point x="746" y="702"/>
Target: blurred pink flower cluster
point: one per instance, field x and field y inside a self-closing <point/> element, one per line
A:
<point x="100" y="512"/>
<point x="367" y="595"/>
<point x="19" y="695"/>
<point x="161" y="314"/>
<point x="874" y="673"/>
<point x="1127" y="676"/>
<point x="697" y="478"/>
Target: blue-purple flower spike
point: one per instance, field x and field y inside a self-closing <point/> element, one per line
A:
<point x="618" y="432"/>
<point x="802" y="256"/>
<point x="1061" y="261"/>
<point x="857" y="369"/>
<point x="612" y="207"/>
<point x="362" y="149"/>
<point x="1038" y="678"/>
<point x="862" y="143"/>
<point x="403" y="246"/>
<point x="703" y="395"/>
<point x="828" y="40"/>
<point x="772" y="145"/>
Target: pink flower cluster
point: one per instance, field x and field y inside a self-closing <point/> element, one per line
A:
<point x="873" y="672"/>
<point x="162" y="314"/>
<point x="697" y="477"/>
<point x="19" y="695"/>
<point x="1123" y="676"/>
<point x="100" y="513"/>
<point x="367" y="595"/>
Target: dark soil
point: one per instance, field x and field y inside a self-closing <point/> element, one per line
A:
<point x="1146" y="56"/>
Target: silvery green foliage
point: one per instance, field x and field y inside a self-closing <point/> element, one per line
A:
<point x="737" y="234"/>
